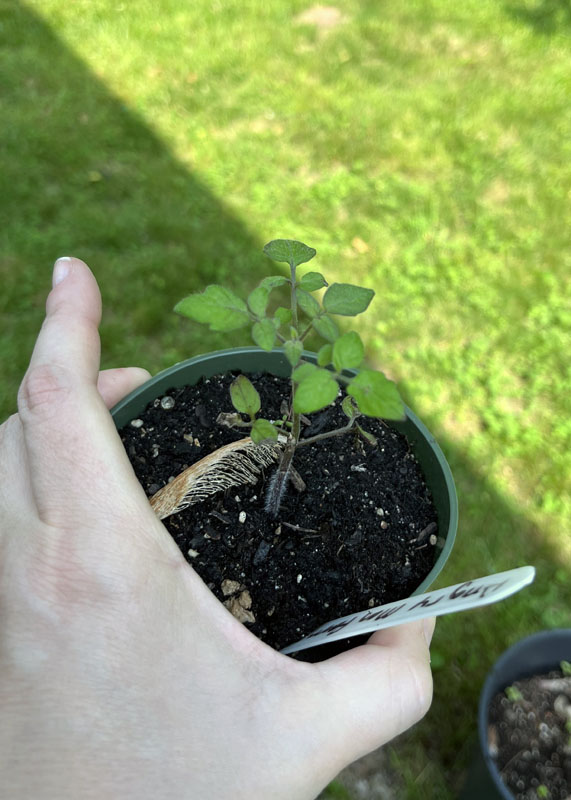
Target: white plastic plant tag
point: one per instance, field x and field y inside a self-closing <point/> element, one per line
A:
<point x="470" y="594"/>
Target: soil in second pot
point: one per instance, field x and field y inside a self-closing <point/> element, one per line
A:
<point x="529" y="737"/>
<point x="362" y="533"/>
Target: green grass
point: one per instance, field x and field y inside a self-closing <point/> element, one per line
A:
<point x="422" y="148"/>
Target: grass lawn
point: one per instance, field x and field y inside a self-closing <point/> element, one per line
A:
<point x="422" y="148"/>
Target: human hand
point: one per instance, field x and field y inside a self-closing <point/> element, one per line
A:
<point x="121" y="675"/>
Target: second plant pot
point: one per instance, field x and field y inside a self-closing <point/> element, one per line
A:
<point x="421" y="448"/>
<point x="536" y="655"/>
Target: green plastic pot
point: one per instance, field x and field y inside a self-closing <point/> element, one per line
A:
<point x="253" y="360"/>
<point x="537" y="654"/>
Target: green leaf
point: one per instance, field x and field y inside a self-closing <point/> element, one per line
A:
<point x="244" y="396"/>
<point x="217" y="307"/>
<point x="273" y="280"/>
<point x="565" y="668"/>
<point x="303" y="371"/>
<point x="368" y="437"/>
<point x="258" y="300"/>
<point x="316" y="391"/>
<point x="513" y="694"/>
<point x="349" y="408"/>
<point x="347" y="299"/>
<point x="326" y="327"/>
<point x="290" y="251"/>
<point x="376" y="396"/>
<point x="262" y="430"/>
<point x="348" y="351"/>
<point x="264" y="334"/>
<point x="325" y="355"/>
<point x="282" y="316"/>
<point x="312" y="281"/>
<point x="307" y="303"/>
<point x="293" y="351"/>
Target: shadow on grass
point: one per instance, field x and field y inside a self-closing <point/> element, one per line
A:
<point x="544" y="16"/>
<point x="85" y="176"/>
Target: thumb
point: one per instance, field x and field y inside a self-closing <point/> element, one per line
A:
<point x="378" y="690"/>
<point x="79" y="470"/>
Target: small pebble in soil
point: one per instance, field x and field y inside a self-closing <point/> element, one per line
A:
<point x="167" y="403"/>
<point x="137" y="423"/>
<point x="230" y="587"/>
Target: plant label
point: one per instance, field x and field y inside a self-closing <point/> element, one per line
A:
<point x="470" y="594"/>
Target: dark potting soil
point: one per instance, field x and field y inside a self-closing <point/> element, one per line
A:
<point x="529" y="736"/>
<point x="360" y="535"/>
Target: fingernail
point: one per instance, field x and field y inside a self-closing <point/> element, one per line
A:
<point x="61" y="270"/>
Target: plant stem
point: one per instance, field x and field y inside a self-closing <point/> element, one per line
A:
<point x="293" y="297"/>
<point x="295" y="416"/>
<point x="279" y="481"/>
<point x="306" y="331"/>
<point x="327" y="435"/>
<point x="295" y="429"/>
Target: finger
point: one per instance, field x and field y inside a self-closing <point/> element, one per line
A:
<point x="378" y="690"/>
<point x="69" y="336"/>
<point x="78" y="466"/>
<point x="393" y="637"/>
<point x="115" y="384"/>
